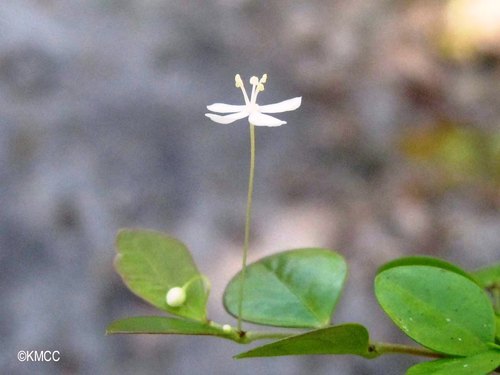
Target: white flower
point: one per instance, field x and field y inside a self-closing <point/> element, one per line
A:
<point x="255" y="113"/>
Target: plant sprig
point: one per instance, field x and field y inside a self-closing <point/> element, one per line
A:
<point x="452" y="314"/>
<point x="445" y="309"/>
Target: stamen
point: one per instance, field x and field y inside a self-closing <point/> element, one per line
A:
<point x="239" y="84"/>
<point x="237" y="80"/>
<point x="253" y="95"/>
<point x="257" y="86"/>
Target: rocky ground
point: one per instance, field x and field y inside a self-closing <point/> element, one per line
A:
<point x="102" y="126"/>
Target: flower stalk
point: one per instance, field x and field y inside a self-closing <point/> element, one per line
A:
<point x="257" y="116"/>
<point x="248" y="217"/>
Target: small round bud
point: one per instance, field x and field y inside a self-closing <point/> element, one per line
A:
<point x="176" y="297"/>
<point x="227" y="328"/>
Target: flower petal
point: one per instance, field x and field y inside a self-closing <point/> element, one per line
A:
<point x="225" y="108"/>
<point x="284" y="106"/>
<point x="228" y="118"/>
<point x="260" y="119"/>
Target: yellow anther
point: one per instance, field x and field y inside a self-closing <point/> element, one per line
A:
<point x="237" y="81"/>
<point x="263" y="79"/>
<point x="260" y="87"/>
<point x="254" y="80"/>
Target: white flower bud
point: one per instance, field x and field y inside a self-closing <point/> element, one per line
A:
<point x="176" y="297"/>
<point x="226" y="328"/>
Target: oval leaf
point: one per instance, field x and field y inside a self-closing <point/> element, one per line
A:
<point x="151" y="263"/>
<point x="497" y="332"/>
<point x="296" y="288"/>
<point x="161" y="325"/>
<point x="342" y="339"/>
<point x="440" y="309"/>
<point x="424" y="261"/>
<point x="479" y="364"/>
<point x="488" y="276"/>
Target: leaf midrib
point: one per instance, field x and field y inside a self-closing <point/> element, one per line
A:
<point x="431" y="310"/>
<point x="293" y="292"/>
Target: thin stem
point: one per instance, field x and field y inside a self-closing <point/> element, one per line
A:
<point x="247" y="222"/>
<point x="380" y="348"/>
<point x="375" y="349"/>
<point x="247" y="337"/>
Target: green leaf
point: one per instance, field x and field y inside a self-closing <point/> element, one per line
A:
<point x="440" y="309"/>
<point x="488" y="276"/>
<point x="296" y="288"/>
<point x="161" y="325"/>
<point x="424" y="261"/>
<point x="479" y="364"/>
<point x="342" y="339"/>
<point x="497" y="331"/>
<point x="151" y="263"/>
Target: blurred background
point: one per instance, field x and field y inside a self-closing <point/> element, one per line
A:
<point x="395" y="151"/>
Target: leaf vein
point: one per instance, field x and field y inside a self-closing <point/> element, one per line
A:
<point x="293" y="292"/>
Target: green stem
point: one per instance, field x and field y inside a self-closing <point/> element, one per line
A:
<point x="203" y="278"/>
<point x="247" y="223"/>
<point x="380" y="348"/>
<point x="242" y="337"/>
<point x="376" y="349"/>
